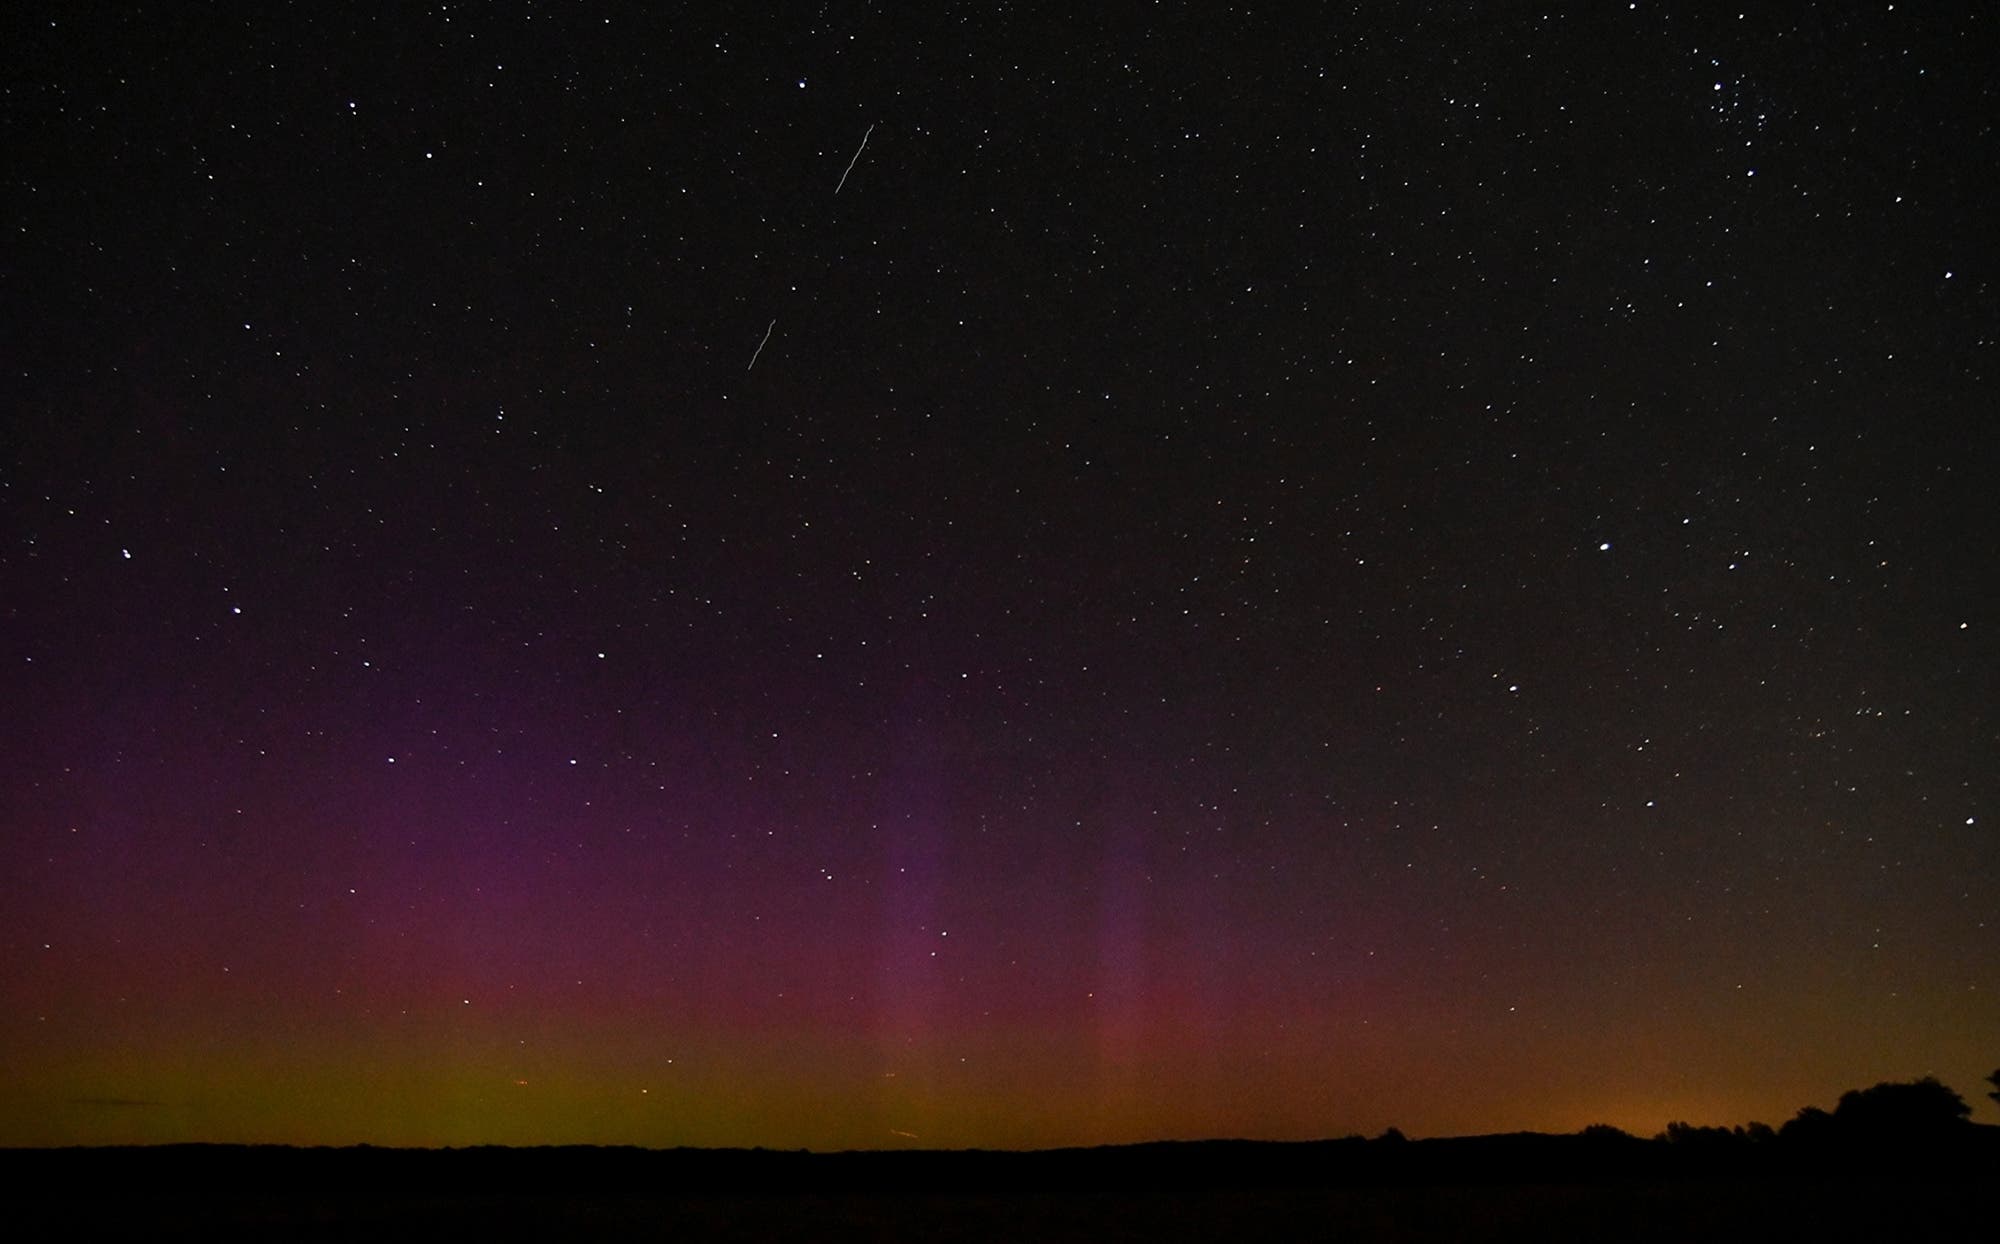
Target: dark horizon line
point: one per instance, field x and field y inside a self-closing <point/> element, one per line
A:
<point x="1600" y="1132"/>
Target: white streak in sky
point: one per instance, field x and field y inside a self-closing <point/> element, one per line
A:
<point x="760" y="345"/>
<point x="857" y="158"/>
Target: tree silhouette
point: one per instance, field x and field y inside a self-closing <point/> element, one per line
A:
<point x="1810" y="1125"/>
<point x="1916" y="1109"/>
<point x="1994" y="1080"/>
<point x="1688" y="1134"/>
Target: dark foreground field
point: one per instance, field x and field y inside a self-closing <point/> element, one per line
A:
<point x="1496" y="1188"/>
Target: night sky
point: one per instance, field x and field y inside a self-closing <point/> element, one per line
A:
<point x="963" y="576"/>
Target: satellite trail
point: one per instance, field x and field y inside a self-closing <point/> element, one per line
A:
<point x="760" y="345"/>
<point x="857" y="157"/>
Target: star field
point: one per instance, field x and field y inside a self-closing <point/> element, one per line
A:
<point x="991" y="578"/>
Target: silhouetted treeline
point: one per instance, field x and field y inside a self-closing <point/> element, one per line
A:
<point x="1879" y="1157"/>
<point x="1892" y="1124"/>
<point x="1819" y="1144"/>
